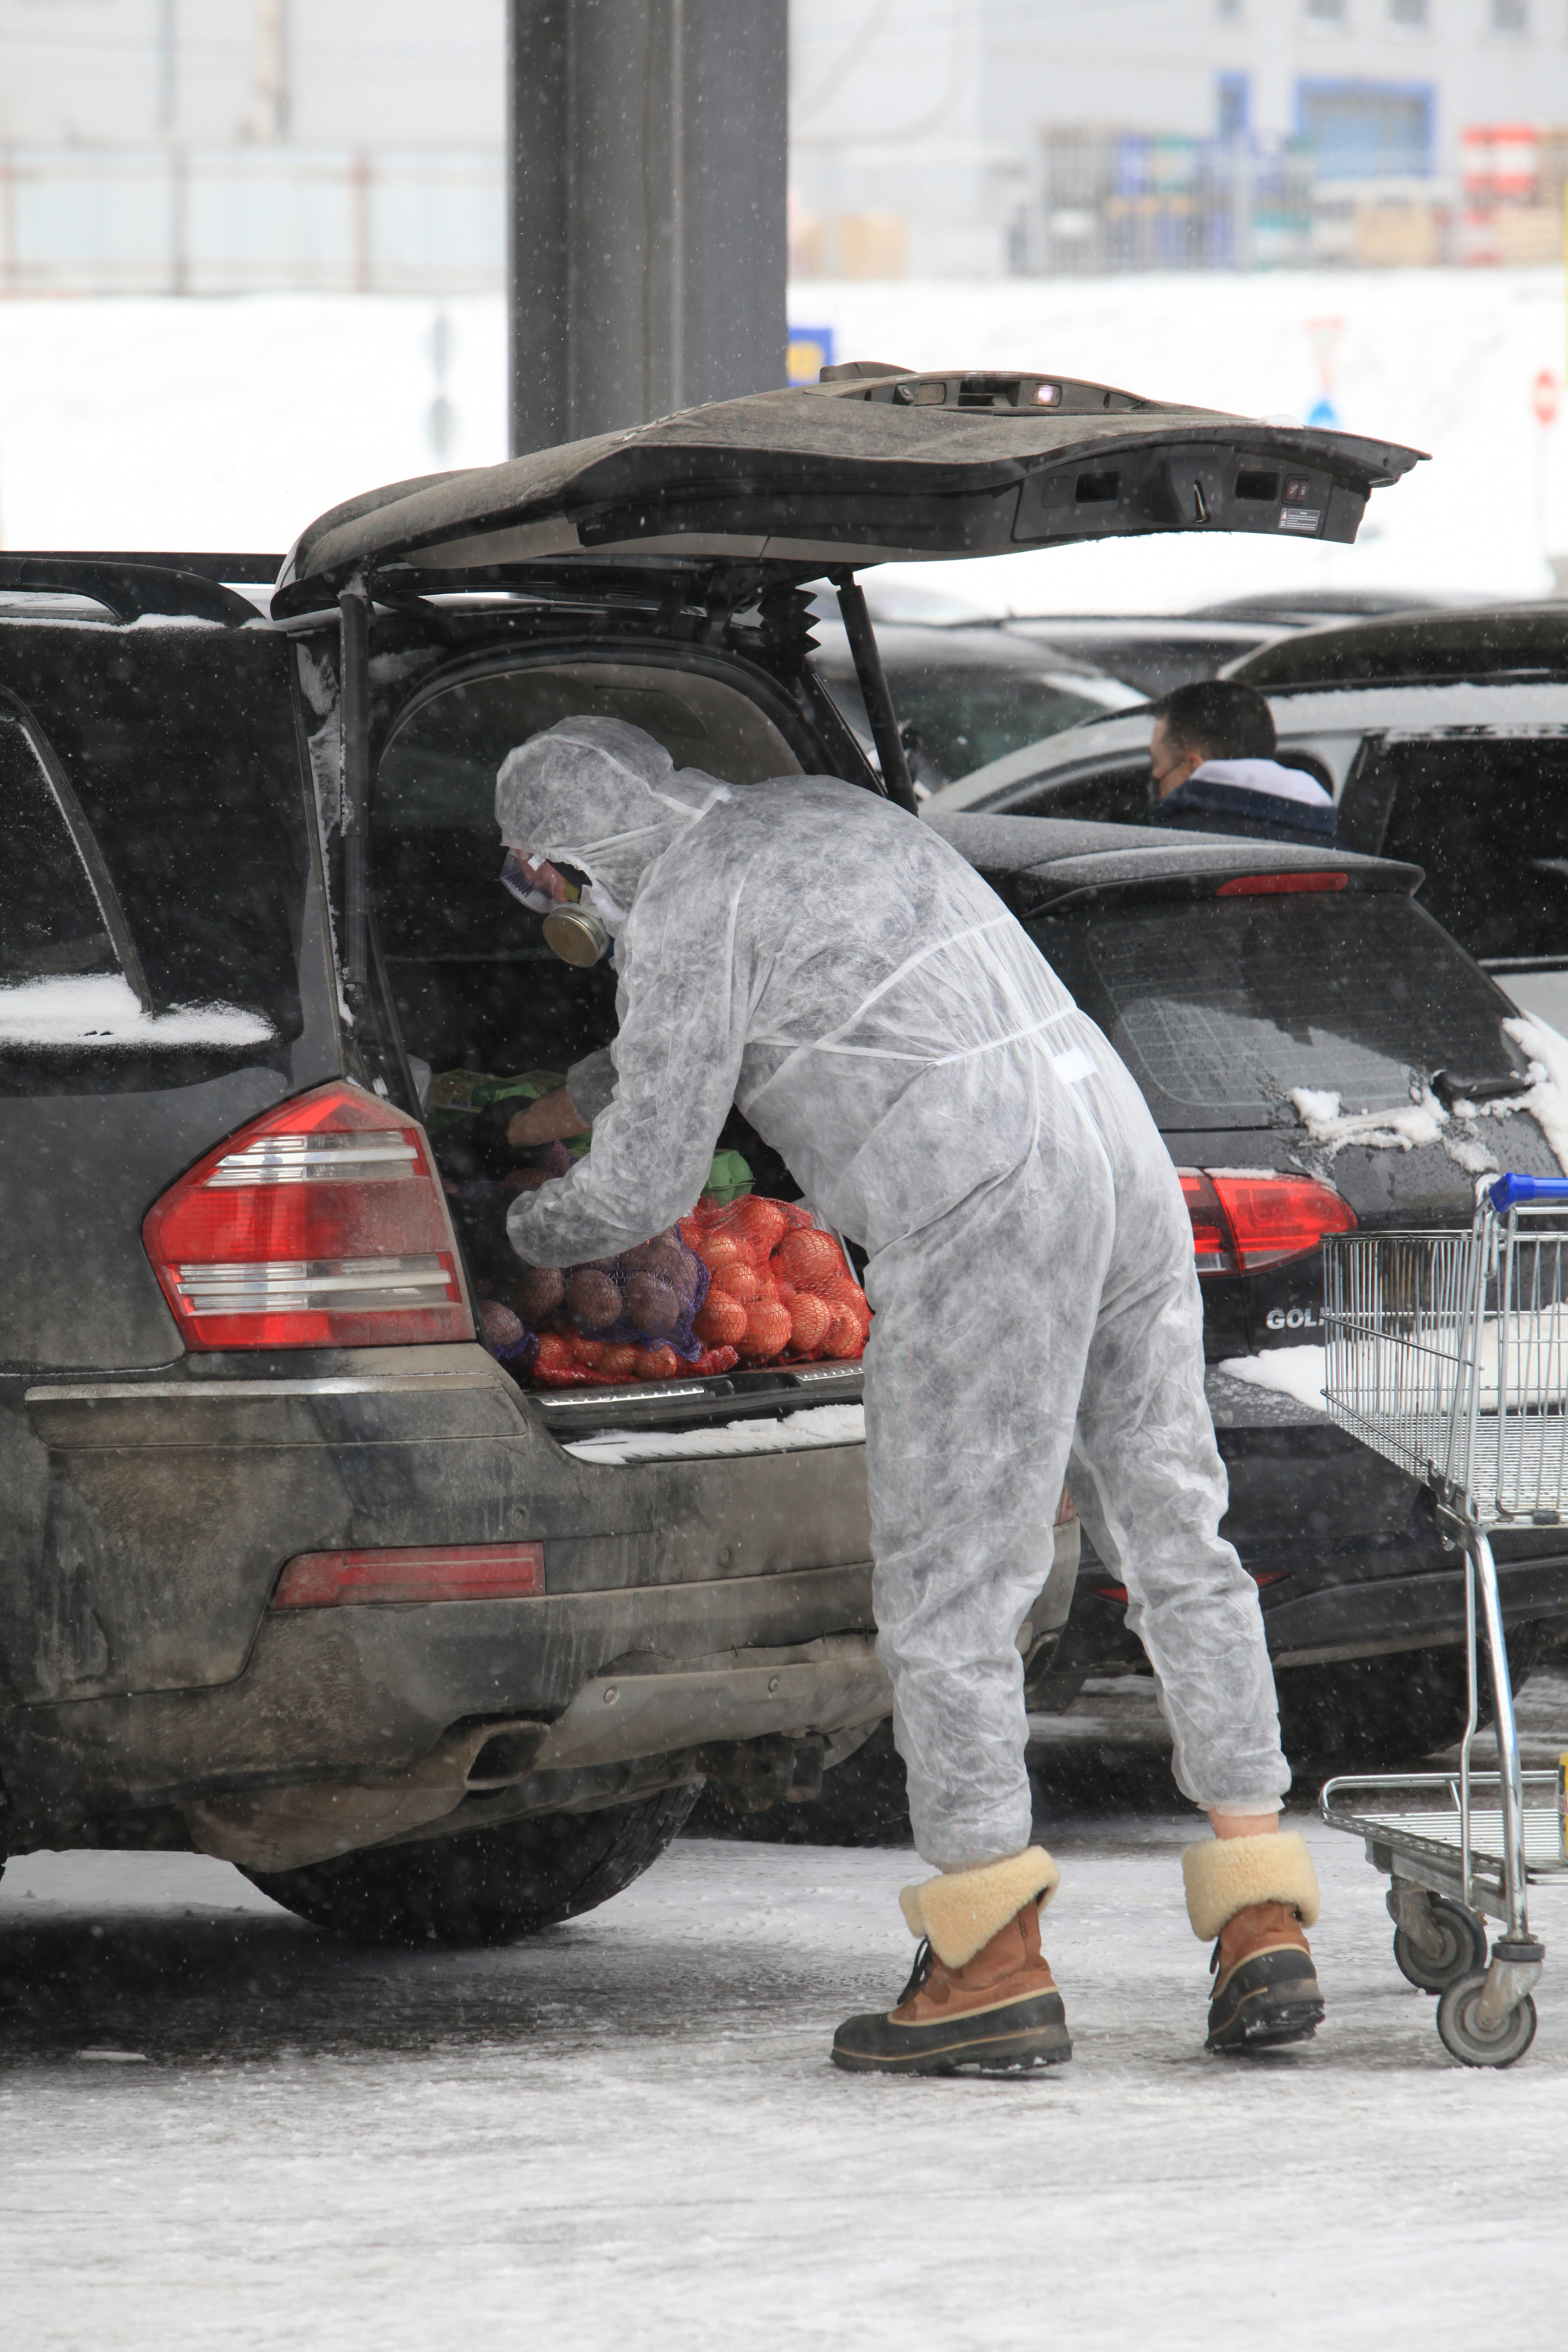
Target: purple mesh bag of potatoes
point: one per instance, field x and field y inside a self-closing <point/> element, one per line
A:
<point x="648" y="1298"/>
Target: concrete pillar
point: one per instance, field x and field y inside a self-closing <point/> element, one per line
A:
<point x="649" y="145"/>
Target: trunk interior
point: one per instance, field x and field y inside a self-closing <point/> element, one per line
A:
<point x="475" y="988"/>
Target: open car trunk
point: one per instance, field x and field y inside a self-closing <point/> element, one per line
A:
<point x="476" y="990"/>
<point x="654" y="576"/>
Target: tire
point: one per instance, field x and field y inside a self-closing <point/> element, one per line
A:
<point x="1381" y="1712"/>
<point x="1464" y="1941"/>
<point x="488" y="1886"/>
<point x="1465" y="2039"/>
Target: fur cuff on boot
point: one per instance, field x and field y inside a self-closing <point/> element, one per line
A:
<point x="960" y="1911"/>
<point x="1224" y="1875"/>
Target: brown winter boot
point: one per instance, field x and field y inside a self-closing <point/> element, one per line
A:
<point x="980" y="1994"/>
<point x="1256" y="1895"/>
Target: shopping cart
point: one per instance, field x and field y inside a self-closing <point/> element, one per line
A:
<point x="1448" y="1354"/>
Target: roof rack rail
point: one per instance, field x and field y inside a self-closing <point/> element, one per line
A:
<point x="133" y="586"/>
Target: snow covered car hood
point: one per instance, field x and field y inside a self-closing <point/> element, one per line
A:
<point x="878" y="464"/>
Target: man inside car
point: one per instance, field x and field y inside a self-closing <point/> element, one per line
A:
<point x="1213" y="766"/>
<point x="832" y="966"/>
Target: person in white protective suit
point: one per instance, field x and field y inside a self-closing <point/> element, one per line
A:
<point x="808" y="952"/>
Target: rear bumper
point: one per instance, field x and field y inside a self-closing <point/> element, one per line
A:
<point x="388" y="1717"/>
<point x="1345" y="1549"/>
<point x="162" y="1509"/>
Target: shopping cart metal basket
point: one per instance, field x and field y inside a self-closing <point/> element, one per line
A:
<point x="1448" y="1353"/>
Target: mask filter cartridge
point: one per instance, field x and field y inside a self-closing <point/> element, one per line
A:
<point x="576" y="935"/>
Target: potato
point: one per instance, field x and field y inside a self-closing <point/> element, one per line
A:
<point x="537" y="1293"/>
<point x="592" y="1300"/>
<point x="498" y="1325"/>
<point x="650" y="1305"/>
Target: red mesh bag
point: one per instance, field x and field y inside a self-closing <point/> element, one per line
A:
<point x="780" y="1289"/>
<point x="568" y="1360"/>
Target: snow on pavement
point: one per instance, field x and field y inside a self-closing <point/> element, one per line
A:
<point x="626" y="2133"/>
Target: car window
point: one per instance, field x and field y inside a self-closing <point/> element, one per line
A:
<point x="1488" y="821"/>
<point x="436" y="853"/>
<point x="50" y="921"/>
<point x="180" y="746"/>
<point x="1222" y="1008"/>
<point x="965" y="715"/>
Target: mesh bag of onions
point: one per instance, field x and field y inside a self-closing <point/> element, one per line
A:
<point x="779" y="1288"/>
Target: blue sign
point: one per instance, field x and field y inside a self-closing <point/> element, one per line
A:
<point x="808" y="351"/>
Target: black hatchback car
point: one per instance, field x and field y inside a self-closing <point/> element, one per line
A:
<point x="1321" y="1057"/>
<point x="294" y="1572"/>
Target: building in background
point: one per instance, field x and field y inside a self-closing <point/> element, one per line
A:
<point x="970" y="137"/>
<point x="225" y="146"/>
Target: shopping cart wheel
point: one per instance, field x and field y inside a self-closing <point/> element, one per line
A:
<point x="1454" y="1944"/>
<point x="1465" y="2038"/>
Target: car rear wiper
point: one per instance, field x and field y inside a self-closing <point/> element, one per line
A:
<point x="1449" y="1087"/>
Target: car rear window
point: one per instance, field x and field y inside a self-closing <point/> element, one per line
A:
<point x="1223" y="1007"/>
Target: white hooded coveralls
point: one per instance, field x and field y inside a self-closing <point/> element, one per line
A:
<point x="833" y="966"/>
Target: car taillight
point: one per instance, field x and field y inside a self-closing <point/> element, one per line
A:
<point x="341" y="1579"/>
<point x="1278" y="1217"/>
<point x="1210" y="1242"/>
<point x="1243" y="1222"/>
<point x="319" y="1224"/>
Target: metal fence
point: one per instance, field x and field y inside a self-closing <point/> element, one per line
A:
<point x="1114" y="201"/>
<point x="1109" y="200"/>
<point x="240" y="220"/>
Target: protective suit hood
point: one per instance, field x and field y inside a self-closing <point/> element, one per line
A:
<point x="600" y="794"/>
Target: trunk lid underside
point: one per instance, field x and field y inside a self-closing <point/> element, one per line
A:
<point x="854" y="472"/>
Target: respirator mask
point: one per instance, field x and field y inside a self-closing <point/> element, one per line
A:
<point x="575" y="925"/>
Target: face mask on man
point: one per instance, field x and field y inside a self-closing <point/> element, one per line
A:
<point x="580" y="920"/>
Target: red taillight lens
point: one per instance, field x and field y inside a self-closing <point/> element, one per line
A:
<point x="321" y="1224"/>
<point x="1246" y="1221"/>
<point x="1211" y="1241"/>
<point x="1278" y="1217"/>
<point x="343" y="1579"/>
<point x="1274" y="886"/>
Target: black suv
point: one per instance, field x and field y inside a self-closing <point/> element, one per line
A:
<point x="294" y="1570"/>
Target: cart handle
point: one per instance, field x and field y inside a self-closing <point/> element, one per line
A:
<point x="1512" y="1191"/>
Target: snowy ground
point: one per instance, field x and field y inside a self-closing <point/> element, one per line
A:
<point x="625" y="2134"/>
<point x="143" y="424"/>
